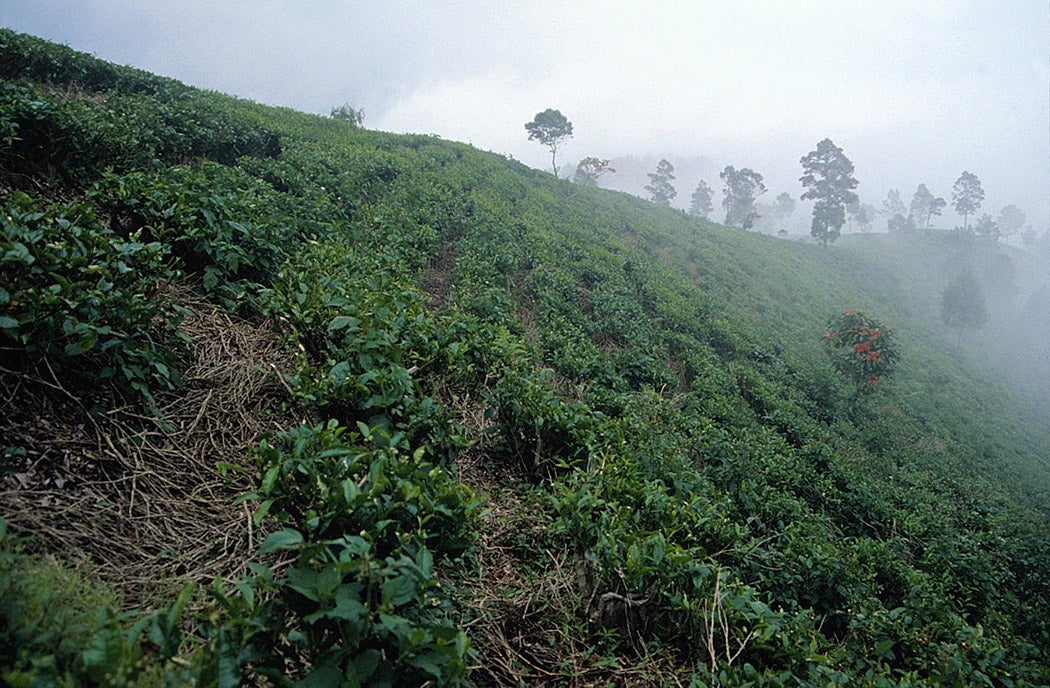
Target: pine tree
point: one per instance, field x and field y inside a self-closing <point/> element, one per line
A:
<point x="700" y="202"/>
<point x="659" y="186"/>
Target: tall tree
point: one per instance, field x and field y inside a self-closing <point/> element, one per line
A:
<point x="893" y="205"/>
<point x="659" y="187"/>
<point x="550" y="128"/>
<point x="589" y="169"/>
<point x="962" y="304"/>
<point x="851" y="212"/>
<point x="967" y="195"/>
<point x="772" y="217"/>
<point x="700" y="202"/>
<point x="1011" y="220"/>
<point x="742" y="187"/>
<point x="828" y="180"/>
<point x="924" y="205"/>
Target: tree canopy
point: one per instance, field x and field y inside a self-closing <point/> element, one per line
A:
<point x="700" y="202"/>
<point x="550" y="128"/>
<point x="1011" y="220"/>
<point x="924" y="205"/>
<point x="967" y="195"/>
<point x="349" y="114"/>
<point x="742" y="187"/>
<point x="659" y="187"/>
<point x="828" y="180"/>
<point x="893" y="205"/>
<point x="589" y="169"/>
<point x="962" y="304"/>
<point x="986" y="227"/>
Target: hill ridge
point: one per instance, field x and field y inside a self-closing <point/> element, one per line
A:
<point x="669" y="479"/>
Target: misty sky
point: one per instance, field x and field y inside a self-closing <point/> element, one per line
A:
<point x="913" y="91"/>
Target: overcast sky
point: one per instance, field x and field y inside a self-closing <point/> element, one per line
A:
<point x="914" y="91"/>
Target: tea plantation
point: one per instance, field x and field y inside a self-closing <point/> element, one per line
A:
<point x="289" y="402"/>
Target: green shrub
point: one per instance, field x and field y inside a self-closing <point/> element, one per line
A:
<point x="82" y="300"/>
<point x="216" y="220"/>
<point x="365" y="519"/>
<point x="864" y="351"/>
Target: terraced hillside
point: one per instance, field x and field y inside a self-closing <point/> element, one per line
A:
<point x="290" y="402"/>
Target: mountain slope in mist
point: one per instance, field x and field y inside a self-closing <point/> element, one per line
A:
<point x="322" y="405"/>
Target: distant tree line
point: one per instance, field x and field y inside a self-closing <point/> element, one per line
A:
<point x="827" y="180"/>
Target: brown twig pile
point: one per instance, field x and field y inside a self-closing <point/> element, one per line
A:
<point x="140" y="496"/>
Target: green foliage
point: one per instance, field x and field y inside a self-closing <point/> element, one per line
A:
<point x="967" y="195"/>
<point x="864" y="351"/>
<point x="59" y="627"/>
<point x="659" y="187"/>
<point x="355" y="117"/>
<point x="366" y="519"/>
<point x="962" y="304"/>
<point x="27" y="57"/>
<point x="213" y="218"/>
<point x="83" y="301"/>
<point x="742" y="187"/>
<point x="1011" y="221"/>
<point x="544" y="432"/>
<point x="367" y="334"/>
<point x="924" y="206"/>
<point x="314" y="481"/>
<point x="828" y="180"/>
<point x="550" y="128"/>
<point x="74" y="135"/>
<point x="589" y="169"/>
<point x="700" y="202"/>
<point x="648" y="383"/>
<point x="986" y="227"/>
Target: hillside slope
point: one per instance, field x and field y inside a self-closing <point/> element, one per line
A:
<point x="333" y="406"/>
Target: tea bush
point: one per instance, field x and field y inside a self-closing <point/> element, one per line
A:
<point x="60" y="627"/>
<point x="83" y="301"/>
<point x="647" y="389"/>
<point x="366" y="518"/>
<point x="215" y="220"/>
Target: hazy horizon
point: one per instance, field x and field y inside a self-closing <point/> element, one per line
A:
<point x="913" y="93"/>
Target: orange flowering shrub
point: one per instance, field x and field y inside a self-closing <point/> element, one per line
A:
<point x="862" y="349"/>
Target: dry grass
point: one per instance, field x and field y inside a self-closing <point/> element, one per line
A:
<point x="140" y="496"/>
